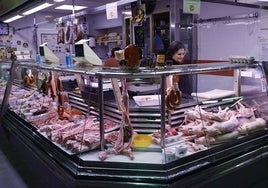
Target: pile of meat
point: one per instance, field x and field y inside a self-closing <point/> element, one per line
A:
<point x="29" y="102"/>
<point x="214" y="128"/>
<point x="76" y="137"/>
<point x="66" y="127"/>
<point x="77" y="133"/>
<point x="170" y="135"/>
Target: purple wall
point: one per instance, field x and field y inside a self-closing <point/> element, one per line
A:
<point x="222" y="39"/>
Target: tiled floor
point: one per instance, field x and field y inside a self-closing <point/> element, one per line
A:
<point x="16" y="172"/>
<point x="9" y="177"/>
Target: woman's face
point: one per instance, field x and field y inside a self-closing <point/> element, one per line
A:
<point x="179" y="55"/>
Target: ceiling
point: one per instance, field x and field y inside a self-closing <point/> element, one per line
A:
<point x="18" y="6"/>
<point x="93" y="5"/>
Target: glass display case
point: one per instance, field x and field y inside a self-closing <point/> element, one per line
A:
<point x="85" y="124"/>
<point x="5" y="69"/>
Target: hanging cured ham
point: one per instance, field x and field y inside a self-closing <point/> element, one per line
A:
<point x="60" y="34"/>
<point x="80" y="33"/>
<point x="71" y="33"/>
<point x="68" y="31"/>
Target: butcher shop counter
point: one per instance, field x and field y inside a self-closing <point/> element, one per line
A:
<point x="206" y="163"/>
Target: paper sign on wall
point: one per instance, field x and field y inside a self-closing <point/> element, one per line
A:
<point x="191" y="6"/>
<point x="111" y="11"/>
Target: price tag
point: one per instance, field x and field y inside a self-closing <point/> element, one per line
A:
<point x="263" y="85"/>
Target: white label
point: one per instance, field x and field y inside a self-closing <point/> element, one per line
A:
<point x="246" y="73"/>
<point x="111" y="11"/>
<point x="263" y="85"/>
<point x="257" y="75"/>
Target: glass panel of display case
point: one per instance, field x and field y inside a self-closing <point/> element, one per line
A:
<point x="185" y="132"/>
<point x="4" y="78"/>
<point x="221" y="115"/>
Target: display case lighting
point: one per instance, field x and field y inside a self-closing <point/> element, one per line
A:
<point x="12" y="18"/>
<point x="36" y="9"/>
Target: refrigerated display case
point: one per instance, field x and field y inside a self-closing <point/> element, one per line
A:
<point x="5" y="70"/>
<point x="92" y="141"/>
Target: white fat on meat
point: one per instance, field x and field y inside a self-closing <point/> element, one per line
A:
<point x="250" y="127"/>
<point x="227" y="126"/>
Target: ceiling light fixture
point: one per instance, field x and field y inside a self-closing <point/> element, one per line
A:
<point x="119" y="3"/>
<point x="12" y="19"/>
<point x="128" y="13"/>
<point x="35" y="9"/>
<point x="70" y="7"/>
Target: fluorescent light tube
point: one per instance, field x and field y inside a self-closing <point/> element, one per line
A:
<point x="70" y="7"/>
<point x="40" y="7"/>
<point x="127" y="13"/>
<point x="12" y="18"/>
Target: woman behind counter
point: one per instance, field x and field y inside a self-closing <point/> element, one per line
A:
<point x="175" y="53"/>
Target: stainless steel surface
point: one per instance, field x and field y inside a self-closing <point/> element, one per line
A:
<point x="101" y="111"/>
<point x="163" y="109"/>
<point x="145" y="72"/>
<point x="237" y="82"/>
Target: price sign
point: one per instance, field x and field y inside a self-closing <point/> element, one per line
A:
<point x="191" y="6"/>
<point x="111" y="11"/>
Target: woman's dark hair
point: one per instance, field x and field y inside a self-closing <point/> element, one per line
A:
<point x="113" y="50"/>
<point x="174" y="47"/>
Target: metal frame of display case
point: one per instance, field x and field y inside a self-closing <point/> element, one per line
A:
<point x="201" y="168"/>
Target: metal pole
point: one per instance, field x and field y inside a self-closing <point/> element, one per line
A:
<point x="163" y="109"/>
<point x="101" y="111"/>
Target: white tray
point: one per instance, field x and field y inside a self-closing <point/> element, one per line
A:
<point x="147" y="100"/>
<point x="214" y="94"/>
